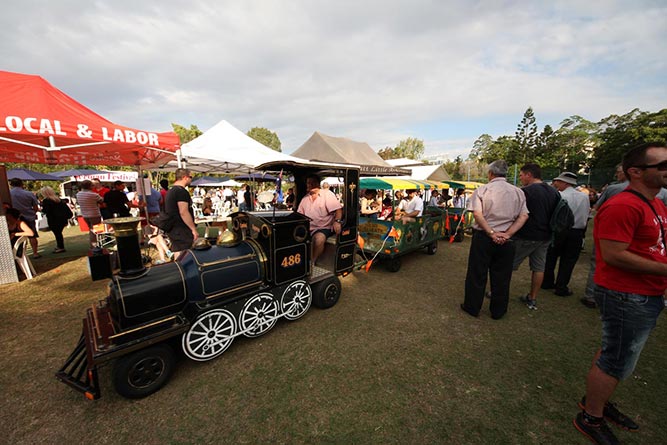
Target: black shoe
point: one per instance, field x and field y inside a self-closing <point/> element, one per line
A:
<point x="463" y="308"/>
<point x="588" y="303"/>
<point x="612" y="414"/>
<point x="566" y="292"/>
<point x="600" y="434"/>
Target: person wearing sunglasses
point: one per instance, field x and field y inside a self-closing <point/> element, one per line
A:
<point x="630" y="282"/>
<point x="612" y="190"/>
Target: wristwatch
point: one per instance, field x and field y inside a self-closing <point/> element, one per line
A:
<point x="339" y="221"/>
<point x="491" y="232"/>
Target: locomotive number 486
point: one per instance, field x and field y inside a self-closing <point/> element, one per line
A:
<point x="291" y="260"/>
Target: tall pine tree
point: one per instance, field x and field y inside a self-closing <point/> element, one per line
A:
<point x="526" y="137"/>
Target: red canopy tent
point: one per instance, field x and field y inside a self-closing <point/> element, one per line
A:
<point x="40" y="124"/>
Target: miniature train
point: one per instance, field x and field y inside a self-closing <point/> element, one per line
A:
<point x="211" y="295"/>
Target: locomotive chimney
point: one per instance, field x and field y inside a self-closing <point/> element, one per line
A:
<point x="127" y="243"/>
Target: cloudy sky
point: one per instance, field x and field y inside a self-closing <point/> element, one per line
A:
<point x="375" y="71"/>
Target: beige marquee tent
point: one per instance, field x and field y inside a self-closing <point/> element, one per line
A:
<point x="322" y="148"/>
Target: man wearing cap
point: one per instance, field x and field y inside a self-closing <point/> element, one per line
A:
<point x="500" y="211"/>
<point x="569" y="248"/>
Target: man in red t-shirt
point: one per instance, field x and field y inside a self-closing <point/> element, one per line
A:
<point x="630" y="283"/>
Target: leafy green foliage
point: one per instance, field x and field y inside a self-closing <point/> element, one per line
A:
<point x="411" y="148"/>
<point x="526" y="139"/>
<point x="266" y="137"/>
<point x="186" y="134"/>
<point x="619" y="133"/>
<point x="578" y="145"/>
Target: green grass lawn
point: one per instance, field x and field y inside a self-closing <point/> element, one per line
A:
<point x="394" y="362"/>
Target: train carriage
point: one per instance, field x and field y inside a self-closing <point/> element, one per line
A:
<point x="388" y="240"/>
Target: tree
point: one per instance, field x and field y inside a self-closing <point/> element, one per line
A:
<point x="387" y="153"/>
<point x="620" y="133"/>
<point x="411" y="148"/>
<point x="544" y="154"/>
<point x="186" y="134"/>
<point x="575" y="142"/>
<point x="526" y="138"/>
<point x="481" y="147"/>
<point x="266" y="137"/>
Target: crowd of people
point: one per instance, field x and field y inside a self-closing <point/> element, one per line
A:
<point x="627" y="278"/>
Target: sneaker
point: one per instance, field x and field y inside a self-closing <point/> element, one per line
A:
<point x="612" y="414"/>
<point x="529" y="302"/>
<point x="169" y="254"/>
<point x="600" y="434"/>
<point x="58" y="250"/>
<point x="156" y="262"/>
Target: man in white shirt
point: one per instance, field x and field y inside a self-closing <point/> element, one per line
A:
<point x="414" y="207"/>
<point x="569" y="249"/>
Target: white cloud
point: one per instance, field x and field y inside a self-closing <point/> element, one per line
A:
<point x="365" y="70"/>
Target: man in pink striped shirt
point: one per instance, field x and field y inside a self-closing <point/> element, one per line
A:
<point x="325" y="212"/>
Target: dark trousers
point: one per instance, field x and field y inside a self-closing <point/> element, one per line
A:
<point x="58" y="235"/>
<point x="568" y="251"/>
<point x="487" y="258"/>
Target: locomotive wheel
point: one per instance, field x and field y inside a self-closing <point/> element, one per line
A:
<point x="259" y="314"/>
<point x="210" y="335"/>
<point x="394" y="264"/>
<point x="142" y="373"/>
<point x="326" y="293"/>
<point x="296" y="300"/>
<point x="432" y="248"/>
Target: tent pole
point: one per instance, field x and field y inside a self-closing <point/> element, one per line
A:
<point x="142" y="192"/>
<point x="179" y="159"/>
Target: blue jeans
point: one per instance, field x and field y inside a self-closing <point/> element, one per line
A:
<point x="627" y="321"/>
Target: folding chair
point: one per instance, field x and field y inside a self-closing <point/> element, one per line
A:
<point x="104" y="235"/>
<point x="21" y="257"/>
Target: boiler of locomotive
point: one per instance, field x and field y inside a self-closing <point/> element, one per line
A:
<point x="211" y="273"/>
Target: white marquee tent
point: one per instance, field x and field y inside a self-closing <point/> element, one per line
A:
<point x="225" y="149"/>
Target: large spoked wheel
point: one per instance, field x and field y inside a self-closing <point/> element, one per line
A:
<point x="432" y="248"/>
<point x="296" y="300"/>
<point x="393" y="264"/>
<point x="210" y="335"/>
<point x="142" y="373"/>
<point x="326" y="293"/>
<point x="259" y="314"/>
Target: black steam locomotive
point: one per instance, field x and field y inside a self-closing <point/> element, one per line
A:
<point x="212" y="294"/>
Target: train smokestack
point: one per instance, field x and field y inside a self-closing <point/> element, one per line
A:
<point x="127" y="243"/>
